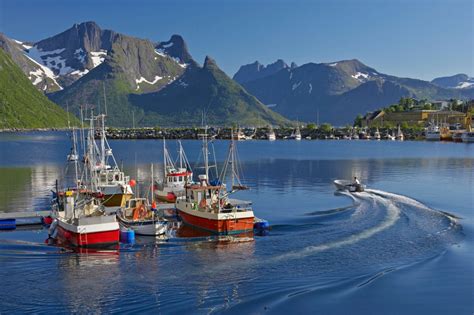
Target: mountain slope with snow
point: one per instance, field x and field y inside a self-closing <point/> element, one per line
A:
<point x="335" y="91"/>
<point x="457" y="81"/>
<point x="23" y="106"/>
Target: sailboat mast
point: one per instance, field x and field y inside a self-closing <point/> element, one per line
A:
<point x="206" y="153"/>
<point x="180" y="155"/>
<point x="152" y="185"/>
<point x="164" y="160"/>
<point x="91" y="156"/>
<point x="102" y="142"/>
<point x="74" y="146"/>
<point x="232" y="158"/>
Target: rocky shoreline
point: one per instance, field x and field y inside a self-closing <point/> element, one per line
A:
<point x="225" y="133"/>
<point x="250" y="133"/>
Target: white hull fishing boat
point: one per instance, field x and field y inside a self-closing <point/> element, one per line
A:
<point x="175" y="177"/>
<point x="206" y="205"/>
<point x="347" y="185"/>
<point x="377" y="134"/>
<point x="432" y="133"/>
<point x="142" y="218"/>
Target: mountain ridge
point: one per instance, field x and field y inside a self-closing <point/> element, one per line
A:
<point x="324" y="88"/>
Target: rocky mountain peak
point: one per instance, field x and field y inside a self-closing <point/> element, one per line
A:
<point x="209" y="63"/>
<point x="458" y="81"/>
<point x="256" y="70"/>
<point x="176" y="47"/>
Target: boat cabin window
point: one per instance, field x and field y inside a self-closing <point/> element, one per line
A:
<point x="133" y="203"/>
<point x="180" y="178"/>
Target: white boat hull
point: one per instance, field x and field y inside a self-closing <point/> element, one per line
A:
<point x="347" y="185"/>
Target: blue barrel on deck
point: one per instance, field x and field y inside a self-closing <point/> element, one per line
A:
<point x="7" y="224"/>
<point x="127" y="236"/>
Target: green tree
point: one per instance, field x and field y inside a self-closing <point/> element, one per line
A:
<point x="326" y="128"/>
<point x="311" y="126"/>
<point x="358" y="121"/>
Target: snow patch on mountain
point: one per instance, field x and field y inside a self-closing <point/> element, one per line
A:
<point x="80" y="55"/>
<point x="38" y="74"/>
<point x="361" y="77"/>
<point x="51" y="59"/>
<point x="18" y="42"/>
<point x="98" y="57"/>
<point x="168" y="45"/>
<point x="162" y="53"/>
<point x="310" y="88"/>
<point x="332" y="64"/>
<point x="44" y="72"/>
<point x="465" y="85"/>
<point x="79" y="72"/>
<point x="142" y="79"/>
<point x="296" y="85"/>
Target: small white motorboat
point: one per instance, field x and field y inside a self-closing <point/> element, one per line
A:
<point x="347" y="185"/>
<point x="139" y="216"/>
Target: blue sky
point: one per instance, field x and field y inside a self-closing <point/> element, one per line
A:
<point x="411" y="38"/>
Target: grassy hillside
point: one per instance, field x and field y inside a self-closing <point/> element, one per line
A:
<point x="21" y="105"/>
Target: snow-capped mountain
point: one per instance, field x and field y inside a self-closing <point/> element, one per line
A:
<point x="58" y="61"/>
<point x="337" y="91"/>
<point x="457" y="81"/>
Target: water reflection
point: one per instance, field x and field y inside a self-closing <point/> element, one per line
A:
<point x="84" y="279"/>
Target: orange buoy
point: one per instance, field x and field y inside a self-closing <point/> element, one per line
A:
<point x="132" y="183"/>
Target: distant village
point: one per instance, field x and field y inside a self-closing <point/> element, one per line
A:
<point x="413" y="113"/>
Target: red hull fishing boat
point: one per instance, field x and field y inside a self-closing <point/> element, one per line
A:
<point x="81" y="221"/>
<point x="207" y="205"/>
<point x="80" y="216"/>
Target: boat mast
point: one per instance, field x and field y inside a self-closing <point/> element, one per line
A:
<point x="180" y="155"/>
<point x="91" y="156"/>
<point x="102" y="142"/>
<point x="152" y="186"/>
<point x="83" y="142"/>
<point x="206" y="153"/>
<point x="231" y="156"/>
<point x="164" y="160"/>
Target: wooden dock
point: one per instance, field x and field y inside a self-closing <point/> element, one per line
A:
<point x="12" y="220"/>
<point x="24" y="214"/>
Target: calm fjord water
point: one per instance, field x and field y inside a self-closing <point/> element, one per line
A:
<point x="388" y="250"/>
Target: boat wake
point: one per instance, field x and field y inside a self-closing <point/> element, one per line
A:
<point x="383" y="218"/>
